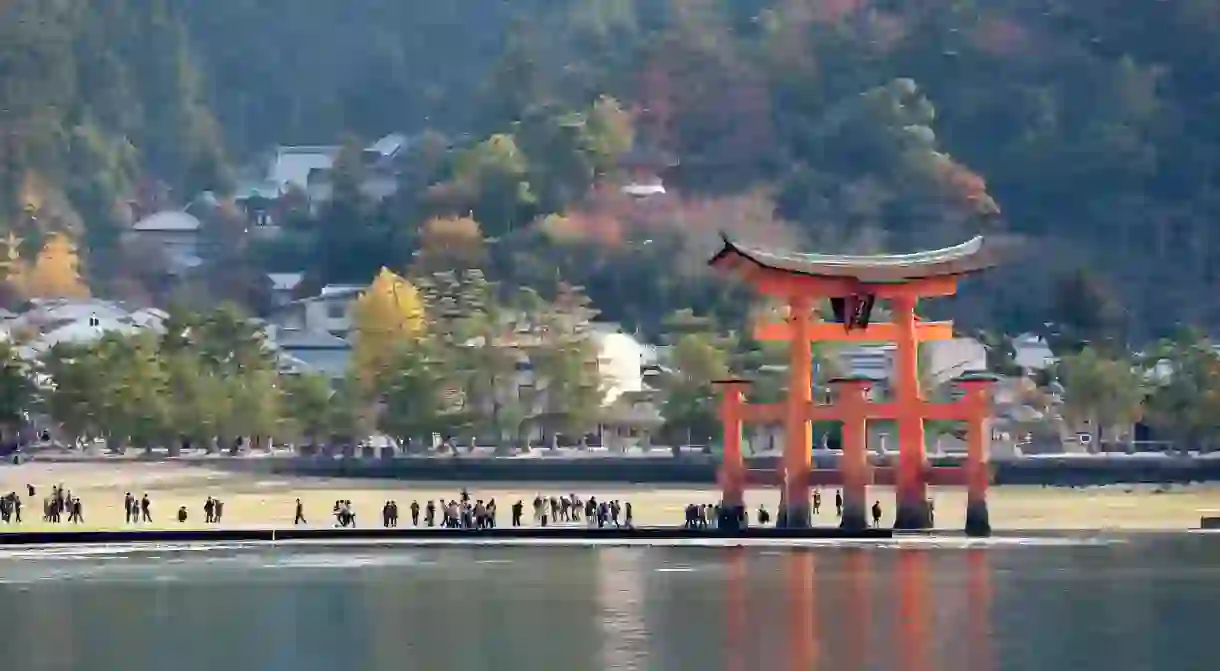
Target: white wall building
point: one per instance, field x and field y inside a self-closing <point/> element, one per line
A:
<point x="945" y="359"/>
<point x="328" y="312"/>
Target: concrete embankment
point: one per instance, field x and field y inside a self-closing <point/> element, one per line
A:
<point x="425" y="536"/>
<point x="694" y="471"/>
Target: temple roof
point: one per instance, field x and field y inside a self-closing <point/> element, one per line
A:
<point x="971" y="256"/>
<point x="646" y="157"/>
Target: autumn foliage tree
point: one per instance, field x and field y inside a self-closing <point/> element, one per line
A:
<point x="389" y="314"/>
<point x="56" y="271"/>
<point x="447" y="243"/>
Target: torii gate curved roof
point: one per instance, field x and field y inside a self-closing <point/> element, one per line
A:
<point x="972" y="256"/>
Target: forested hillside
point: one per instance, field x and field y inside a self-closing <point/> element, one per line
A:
<point x="863" y="125"/>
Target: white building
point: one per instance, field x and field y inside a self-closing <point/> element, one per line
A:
<point x="307" y="168"/>
<point x="50" y="322"/>
<point x="1032" y="352"/>
<point x="328" y="312"/>
<point x="945" y="359"/>
<point x="312" y="352"/>
<point x="620" y="361"/>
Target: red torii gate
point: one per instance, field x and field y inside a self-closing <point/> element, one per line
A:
<point x="854" y="284"/>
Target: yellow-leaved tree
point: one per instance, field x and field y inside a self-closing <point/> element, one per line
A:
<point x="387" y="314"/>
<point x="56" y="271"/>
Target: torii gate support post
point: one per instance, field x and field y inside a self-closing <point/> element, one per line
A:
<point x="912" y="487"/>
<point x="977" y="400"/>
<point x="732" y="464"/>
<point x="851" y="395"/>
<point x="798" y="430"/>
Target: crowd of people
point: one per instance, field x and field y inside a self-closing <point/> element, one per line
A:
<point x="462" y="512"/>
<point x="466" y="512"/>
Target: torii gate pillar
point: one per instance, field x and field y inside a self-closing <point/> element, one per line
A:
<point x="912" y="488"/>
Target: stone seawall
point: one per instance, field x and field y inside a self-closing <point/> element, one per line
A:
<point x="694" y="471"/>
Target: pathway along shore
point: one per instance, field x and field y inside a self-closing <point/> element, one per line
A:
<point x="261" y="502"/>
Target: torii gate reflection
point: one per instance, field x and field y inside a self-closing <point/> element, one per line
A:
<point x="854" y="626"/>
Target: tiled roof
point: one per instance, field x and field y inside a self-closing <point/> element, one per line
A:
<point x="971" y="256"/>
<point x="285" y="281"/>
<point x="292" y="165"/>
<point x="169" y="220"/>
<point x="299" y="340"/>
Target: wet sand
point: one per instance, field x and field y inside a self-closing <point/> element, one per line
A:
<point x="268" y="501"/>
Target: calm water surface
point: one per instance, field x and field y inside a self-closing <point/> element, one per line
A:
<point x="1137" y="603"/>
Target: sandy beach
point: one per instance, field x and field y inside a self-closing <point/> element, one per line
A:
<point x="262" y="501"/>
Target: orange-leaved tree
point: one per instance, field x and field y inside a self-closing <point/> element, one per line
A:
<point x="56" y="271"/>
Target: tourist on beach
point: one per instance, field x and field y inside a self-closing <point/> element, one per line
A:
<point x="10" y="508"/>
<point x="219" y="512"/>
<point x="430" y="514"/>
<point x="182" y="515"/>
<point x="838" y="503"/>
<point x="876" y="513"/>
<point x="518" y="509"/>
<point x="129" y="508"/>
<point x="146" y="509"/>
<point x="764" y="517"/>
<point x="415" y="513"/>
<point x="209" y="509"/>
<point x="345" y="516"/>
<point x="627" y="515"/>
<point x="75" y="512"/>
<point x="591" y="511"/>
<point x="537" y="508"/>
<point x="817" y="501"/>
<point x="299" y="517"/>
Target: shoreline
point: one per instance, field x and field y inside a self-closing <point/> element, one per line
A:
<point x="427" y="536"/>
<point x="266" y="501"/>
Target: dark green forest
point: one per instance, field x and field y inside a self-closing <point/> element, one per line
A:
<point x="1087" y="127"/>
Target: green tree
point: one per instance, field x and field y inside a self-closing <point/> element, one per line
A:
<point x="691" y="401"/>
<point x="134" y="401"/>
<point x="1184" y="402"/>
<point x="17" y="390"/>
<point x="1106" y="393"/>
<point x="308" y="407"/>
<point x="491" y="181"/>
<point x="74" y="391"/>
<point x="565" y="362"/>
<point x="415" y="394"/>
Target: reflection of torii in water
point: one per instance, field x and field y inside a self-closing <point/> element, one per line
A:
<point x="853" y="629"/>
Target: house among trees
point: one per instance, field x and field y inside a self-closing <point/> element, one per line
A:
<point x="175" y="233"/>
<point x="307" y="170"/>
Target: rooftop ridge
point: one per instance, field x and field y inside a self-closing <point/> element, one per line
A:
<point x="973" y="255"/>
